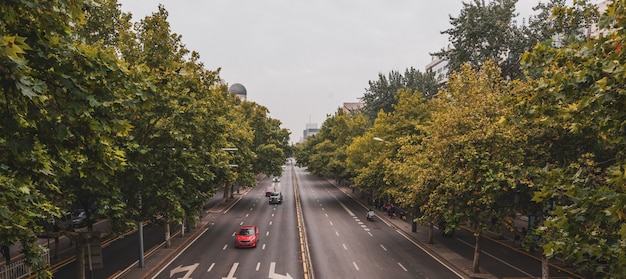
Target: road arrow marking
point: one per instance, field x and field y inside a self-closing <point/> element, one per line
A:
<point x="273" y="275"/>
<point x="189" y="269"/>
<point x="231" y="273"/>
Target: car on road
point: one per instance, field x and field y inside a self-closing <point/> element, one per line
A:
<point x="276" y="179"/>
<point x="276" y="197"/>
<point x="269" y="191"/>
<point x="247" y="237"/>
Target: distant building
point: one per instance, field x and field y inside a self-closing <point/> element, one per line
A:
<point x="239" y="90"/>
<point x="352" y="107"/>
<point x="594" y="31"/>
<point x="439" y="66"/>
<point x="311" y="129"/>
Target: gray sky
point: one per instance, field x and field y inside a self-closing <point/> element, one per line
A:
<point x="304" y="59"/>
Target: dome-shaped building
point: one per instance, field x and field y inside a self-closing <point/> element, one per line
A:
<point x="239" y="90"/>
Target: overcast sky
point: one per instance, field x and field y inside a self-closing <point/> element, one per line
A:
<point x="302" y="59"/>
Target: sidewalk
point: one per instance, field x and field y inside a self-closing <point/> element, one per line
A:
<point x="506" y="239"/>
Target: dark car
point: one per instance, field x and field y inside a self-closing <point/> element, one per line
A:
<point x="276" y="197"/>
<point x="247" y="237"/>
<point x="79" y="219"/>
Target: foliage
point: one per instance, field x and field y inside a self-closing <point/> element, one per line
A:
<point x="325" y="152"/>
<point x="474" y="154"/>
<point x="382" y="94"/>
<point x="579" y="100"/>
<point x="484" y="32"/>
<point x="560" y="24"/>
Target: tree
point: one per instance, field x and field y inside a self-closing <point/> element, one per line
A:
<point x="382" y="94"/>
<point x="59" y="99"/>
<point x="326" y="152"/>
<point x="475" y="156"/>
<point x="484" y="32"/>
<point x="578" y="102"/>
<point x="560" y="24"/>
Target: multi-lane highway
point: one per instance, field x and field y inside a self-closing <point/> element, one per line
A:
<point x="342" y="243"/>
<point x="345" y="245"/>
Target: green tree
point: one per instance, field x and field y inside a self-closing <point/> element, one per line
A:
<point x="475" y="156"/>
<point x="326" y="155"/>
<point x="382" y="94"/>
<point x="484" y="32"/>
<point x="578" y="102"/>
<point x="59" y="99"/>
<point x="560" y="24"/>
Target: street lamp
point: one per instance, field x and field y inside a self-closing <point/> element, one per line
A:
<point x="379" y="139"/>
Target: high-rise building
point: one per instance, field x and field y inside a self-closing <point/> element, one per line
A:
<point x="311" y="129"/>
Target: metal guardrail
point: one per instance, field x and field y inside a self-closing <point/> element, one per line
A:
<point x="19" y="269"/>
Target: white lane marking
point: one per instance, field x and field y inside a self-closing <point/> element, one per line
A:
<point x="272" y="214"/>
<point x="258" y="265"/>
<point x="370" y="234"/>
<point x="326" y="215"/>
<point x="430" y="254"/>
<point x="270" y="223"/>
<point x="179" y="253"/>
<point x="381" y="246"/>
<point x="403" y="267"/>
<point x="225" y="246"/>
<point x="247" y="215"/>
<point x="337" y="233"/>
<point x="367" y="230"/>
<point x="241" y="223"/>
<point x="495" y="258"/>
<point x="210" y="267"/>
<point x="251" y="208"/>
<point x="346" y="209"/>
<point x="231" y="273"/>
<point x="331" y="223"/>
<point x="344" y="246"/>
<point x="355" y="266"/>
<point x="234" y="233"/>
<point x="323" y="209"/>
<point x="267" y="233"/>
<point x="263" y="247"/>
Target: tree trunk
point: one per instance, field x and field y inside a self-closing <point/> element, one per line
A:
<point x="232" y="191"/>
<point x="168" y="241"/>
<point x="545" y="269"/>
<point x="431" y="229"/>
<point x="80" y="257"/>
<point x="6" y="252"/>
<point x="225" y="197"/>
<point x="476" y="263"/>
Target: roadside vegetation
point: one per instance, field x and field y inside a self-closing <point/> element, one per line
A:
<point x="530" y="121"/>
<point x="115" y="118"/>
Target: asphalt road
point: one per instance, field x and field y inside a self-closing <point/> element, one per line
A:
<point x="345" y="245"/>
<point x="277" y="255"/>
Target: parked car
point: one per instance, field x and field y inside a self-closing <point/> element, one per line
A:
<point x="269" y="191"/>
<point x="79" y="219"/>
<point x="276" y="197"/>
<point x="247" y="237"/>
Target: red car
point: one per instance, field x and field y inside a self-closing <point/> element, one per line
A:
<point x="247" y="236"/>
